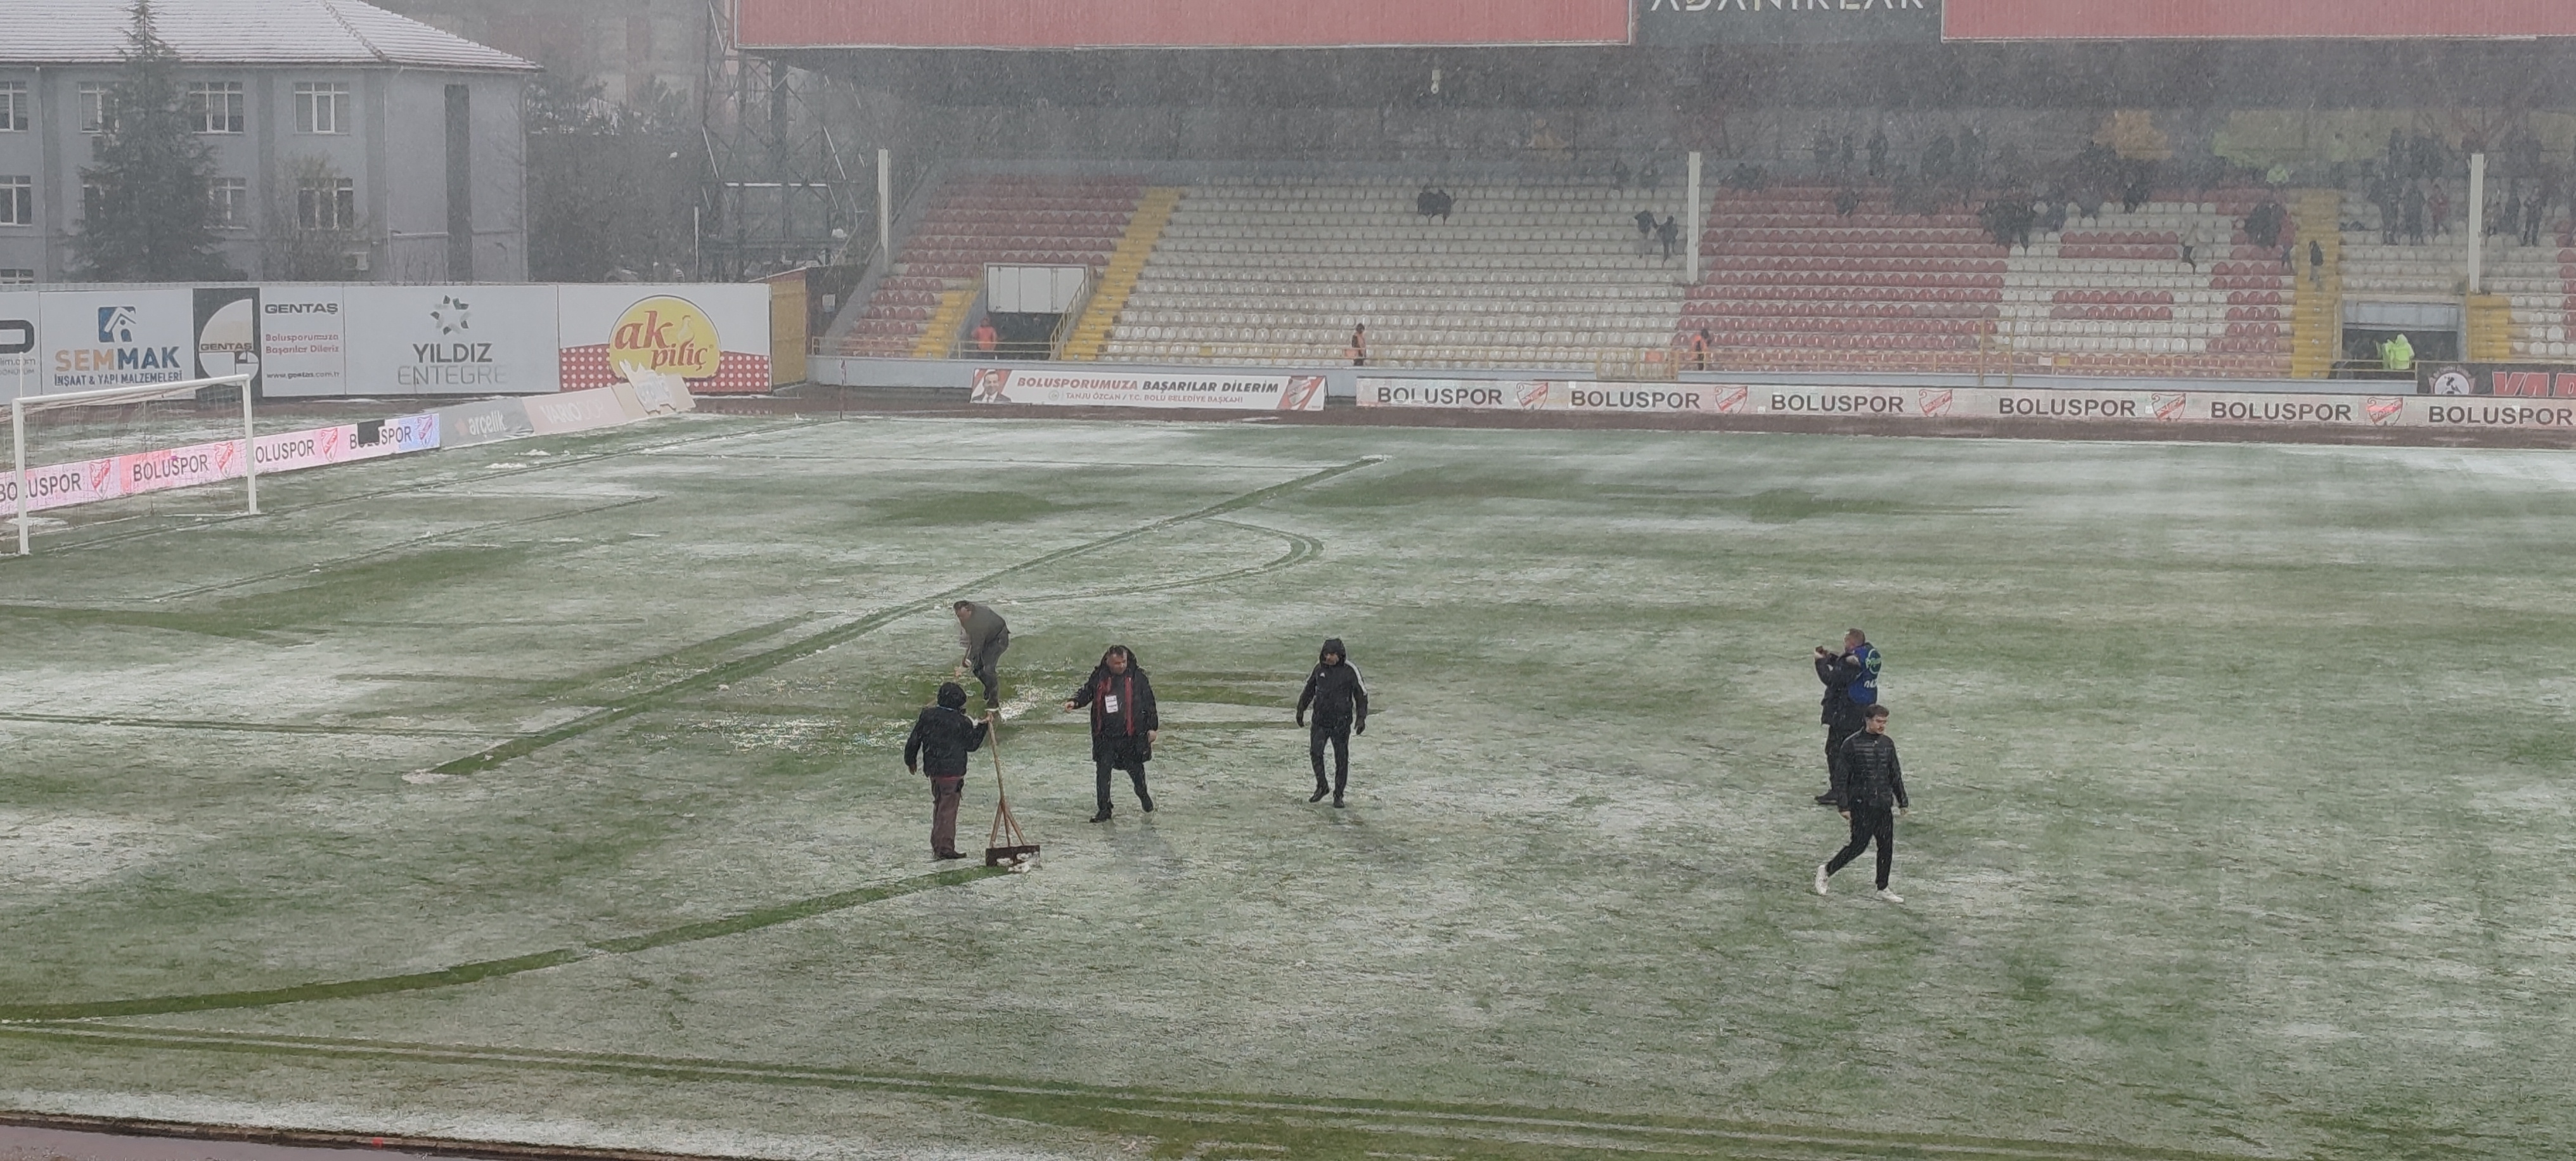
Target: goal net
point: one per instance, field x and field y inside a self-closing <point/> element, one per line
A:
<point x="76" y="448"/>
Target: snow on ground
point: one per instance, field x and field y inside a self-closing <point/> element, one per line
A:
<point x="2241" y="772"/>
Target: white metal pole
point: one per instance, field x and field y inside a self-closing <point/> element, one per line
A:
<point x="1695" y="211"/>
<point x="2477" y="220"/>
<point x="250" y="456"/>
<point x="885" y="208"/>
<point x="18" y="457"/>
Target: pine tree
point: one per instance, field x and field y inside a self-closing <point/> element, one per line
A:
<point x="151" y="219"/>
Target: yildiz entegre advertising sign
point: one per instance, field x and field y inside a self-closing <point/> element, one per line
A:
<point x="2257" y="408"/>
<point x="1049" y="387"/>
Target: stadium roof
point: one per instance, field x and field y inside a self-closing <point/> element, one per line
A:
<point x="241" y="32"/>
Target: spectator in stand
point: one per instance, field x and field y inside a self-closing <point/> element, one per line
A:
<point x="986" y="338"/>
<point x="2440" y="206"/>
<point x="2412" y="214"/>
<point x="1699" y="349"/>
<point x="2263" y="225"/>
<point x="1877" y="153"/>
<point x="1359" y="345"/>
<point x="2316" y="264"/>
<point x="1427" y="203"/>
<point x="2397" y="356"/>
<point x="1669" y="232"/>
<point x="2533" y="212"/>
<point x="1443" y="202"/>
<point x="1645" y="220"/>
<point x="1619" y="173"/>
<point x="1650" y="176"/>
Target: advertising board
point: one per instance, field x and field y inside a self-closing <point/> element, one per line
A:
<point x="714" y="337"/>
<point x="2231" y="20"/>
<point x="116" y="338"/>
<point x="227" y="332"/>
<point x="1055" y="388"/>
<point x="1040" y="24"/>
<point x="2511" y="380"/>
<point x="19" y="362"/>
<point x="1688" y="22"/>
<point x="2254" y="408"/>
<point x="136" y="473"/>
<point x="450" y="340"/>
<point x="302" y="341"/>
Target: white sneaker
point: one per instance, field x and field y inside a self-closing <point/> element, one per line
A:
<point x="1887" y="896"/>
<point x="1821" y="889"/>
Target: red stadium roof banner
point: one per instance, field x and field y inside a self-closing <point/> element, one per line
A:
<point x="1056" y="24"/>
<point x="2256" y="19"/>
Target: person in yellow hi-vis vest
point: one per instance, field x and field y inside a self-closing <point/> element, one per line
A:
<point x="2397" y="355"/>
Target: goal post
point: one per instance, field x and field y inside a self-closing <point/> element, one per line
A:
<point x="22" y="503"/>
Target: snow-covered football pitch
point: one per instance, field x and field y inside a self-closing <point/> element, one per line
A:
<point x="552" y="792"/>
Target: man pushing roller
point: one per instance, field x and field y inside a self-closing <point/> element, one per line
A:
<point x="985" y="635"/>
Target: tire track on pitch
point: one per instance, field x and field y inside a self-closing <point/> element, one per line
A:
<point x="807" y="646"/>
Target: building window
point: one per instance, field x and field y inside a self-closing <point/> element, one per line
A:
<point x="13" y="106"/>
<point x="321" y="107"/>
<point x="17" y="201"/>
<point x="97" y="107"/>
<point x="218" y="104"/>
<point x="230" y="199"/>
<point x="16" y="276"/>
<point x="326" y="203"/>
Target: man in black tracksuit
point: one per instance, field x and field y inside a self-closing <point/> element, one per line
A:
<point x="1852" y="671"/>
<point x="941" y="738"/>
<point x="985" y="636"/>
<point x="1340" y="703"/>
<point x="1873" y="787"/>
<point x="1123" y="723"/>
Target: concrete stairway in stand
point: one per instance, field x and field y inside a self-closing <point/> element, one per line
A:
<point x="1126" y="264"/>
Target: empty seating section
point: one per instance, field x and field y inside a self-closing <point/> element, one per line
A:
<point x="2539" y="281"/>
<point x="2116" y="294"/>
<point x="1031" y="219"/>
<point x="1533" y="273"/>
<point x="1791" y="284"/>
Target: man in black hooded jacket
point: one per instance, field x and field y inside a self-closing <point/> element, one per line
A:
<point x="1340" y="703"/>
<point x="1123" y="723"/>
<point x="941" y="738"/>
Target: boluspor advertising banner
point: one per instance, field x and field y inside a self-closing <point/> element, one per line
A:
<point x="1692" y="22"/>
<point x="116" y="338"/>
<point x="713" y="336"/>
<point x="303" y="343"/>
<point x="1054" y="388"/>
<point x="113" y="477"/>
<point x="2510" y="380"/>
<point x="450" y="340"/>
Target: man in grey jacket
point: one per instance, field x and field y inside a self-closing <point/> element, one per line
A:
<point x="985" y="635"/>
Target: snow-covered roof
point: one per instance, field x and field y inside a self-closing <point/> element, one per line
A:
<point x="240" y="32"/>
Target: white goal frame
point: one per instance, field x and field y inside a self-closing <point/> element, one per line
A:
<point x="23" y="405"/>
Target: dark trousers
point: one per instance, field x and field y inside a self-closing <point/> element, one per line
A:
<point x="944" y="793"/>
<point x="1869" y="823"/>
<point x="1835" y="735"/>
<point x="1338" y="736"/>
<point x="1120" y="753"/>
<point x="988" y="669"/>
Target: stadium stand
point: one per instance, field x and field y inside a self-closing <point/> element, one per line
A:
<point x="2538" y="282"/>
<point x="1539" y="273"/>
<point x="1793" y="284"/>
<point x="1023" y="218"/>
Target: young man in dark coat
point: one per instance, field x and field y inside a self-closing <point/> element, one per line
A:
<point x="1123" y="723"/>
<point x="985" y="636"/>
<point x="1851" y="685"/>
<point x="1340" y="703"/>
<point x="1873" y="788"/>
<point x="941" y="738"/>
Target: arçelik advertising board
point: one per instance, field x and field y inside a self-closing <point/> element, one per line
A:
<point x="1051" y="387"/>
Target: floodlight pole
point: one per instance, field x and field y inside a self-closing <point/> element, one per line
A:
<point x="885" y="209"/>
<point x="1695" y="211"/>
<point x="250" y="454"/>
<point x="2477" y="220"/>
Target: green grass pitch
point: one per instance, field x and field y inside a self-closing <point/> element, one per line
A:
<point x="551" y="791"/>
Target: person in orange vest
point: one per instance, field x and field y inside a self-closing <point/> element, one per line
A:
<point x="1359" y="345"/>
<point x="986" y="338"/>
<point x="1699" y="345"/>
